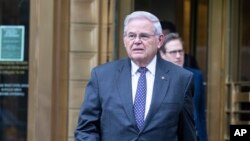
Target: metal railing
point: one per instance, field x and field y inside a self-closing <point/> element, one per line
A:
<point x="238" y="104"/>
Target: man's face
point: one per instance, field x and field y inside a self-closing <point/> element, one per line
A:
<point x="141" y="42"/>
<point x="174" y="52"/>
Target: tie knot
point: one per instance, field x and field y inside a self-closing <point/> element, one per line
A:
<point x="142" y="70"/>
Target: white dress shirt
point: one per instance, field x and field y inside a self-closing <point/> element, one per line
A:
<point x="150" y="76"/>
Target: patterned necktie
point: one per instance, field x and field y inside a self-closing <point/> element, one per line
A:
<point x="140" y="98"/>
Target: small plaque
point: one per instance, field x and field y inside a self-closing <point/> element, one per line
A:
<point x="11" y="43"/>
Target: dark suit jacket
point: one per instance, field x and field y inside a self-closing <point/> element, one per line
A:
<point x="199" y="101"/>
<point x="107" y="111"/>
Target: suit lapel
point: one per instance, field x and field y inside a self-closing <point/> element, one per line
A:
<point x="161" y="85"/>
<point x="125" y="90"/>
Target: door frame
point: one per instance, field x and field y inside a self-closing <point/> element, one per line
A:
<point x="48" y="70"/>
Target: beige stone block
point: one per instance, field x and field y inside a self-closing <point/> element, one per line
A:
<point x="84" y="37"/>
<point x="81" y="65"/>
<point x="84" y="11"/>
<point x="73" y="119"/>
<point x="70" y="138"/>
<point x="76" y="93"/>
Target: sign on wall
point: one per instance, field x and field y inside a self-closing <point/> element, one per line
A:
<point x="11" y="43"/>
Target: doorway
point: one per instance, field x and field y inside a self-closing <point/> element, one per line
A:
<point x="238" y="86"/>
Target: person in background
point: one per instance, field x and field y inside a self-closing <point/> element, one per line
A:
<point x="172" y="51"/>
<point x="141" y="97"/>
<point x="169" y="27"/>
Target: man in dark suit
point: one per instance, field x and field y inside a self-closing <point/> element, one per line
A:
<point x="158" y="109"/>
<point x="172" y="51"/>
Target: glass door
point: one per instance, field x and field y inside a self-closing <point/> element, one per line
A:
<point x="14" y="47"/>
<point x="238" y="105"/>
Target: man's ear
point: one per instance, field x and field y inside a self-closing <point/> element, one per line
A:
<point x="161" y="40"/>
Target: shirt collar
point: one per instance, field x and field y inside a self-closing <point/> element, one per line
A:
<point x="151" y="67"/>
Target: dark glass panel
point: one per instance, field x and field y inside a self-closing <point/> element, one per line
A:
<point x="14" y="47"/>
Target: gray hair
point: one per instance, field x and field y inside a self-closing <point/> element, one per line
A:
<point x="145" y="15"/>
